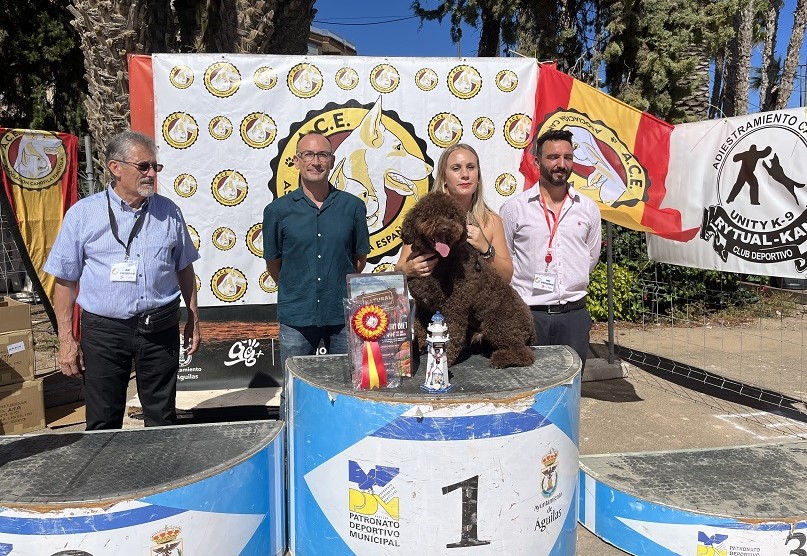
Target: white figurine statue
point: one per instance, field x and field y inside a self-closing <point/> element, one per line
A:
<point x="436" y="364"/>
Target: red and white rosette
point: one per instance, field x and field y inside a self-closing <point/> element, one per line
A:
<point x="369" y="322"/>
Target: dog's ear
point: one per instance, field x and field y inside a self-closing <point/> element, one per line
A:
<point x="408" y="228"/>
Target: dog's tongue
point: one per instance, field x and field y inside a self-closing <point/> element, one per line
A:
<point x="442" y="248"/>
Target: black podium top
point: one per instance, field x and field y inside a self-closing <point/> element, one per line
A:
<point x="90" y="467"/>
<point x="473" y="378"/>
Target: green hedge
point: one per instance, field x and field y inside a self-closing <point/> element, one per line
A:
<point x="627" y="297"/>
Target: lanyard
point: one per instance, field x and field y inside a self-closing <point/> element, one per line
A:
<point x="114" y="225"/>
<point x="552" y="228"/>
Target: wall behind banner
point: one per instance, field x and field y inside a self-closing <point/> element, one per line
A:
<point x="227" y="126"/>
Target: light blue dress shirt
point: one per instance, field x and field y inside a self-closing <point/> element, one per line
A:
<point x="85" y="250"/>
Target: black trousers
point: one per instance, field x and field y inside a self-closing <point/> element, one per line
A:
<point x="571" y="329"/>
<point x="110" y="347"/>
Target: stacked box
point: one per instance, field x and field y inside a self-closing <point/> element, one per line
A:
<point x="16" y="342"/>
<point x="22" y="406"/>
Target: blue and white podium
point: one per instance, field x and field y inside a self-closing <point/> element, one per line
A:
<point x="490" y="468"/>
<point x="169" y="491"/>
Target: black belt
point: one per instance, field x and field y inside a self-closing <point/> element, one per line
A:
<point x="560" y="307"/>
<point x="130" y="322"/>
<point x="153" y="320"/>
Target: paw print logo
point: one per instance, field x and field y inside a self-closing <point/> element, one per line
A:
<point x="289" y="161"/>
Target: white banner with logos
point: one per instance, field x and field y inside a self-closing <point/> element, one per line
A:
<point x="227" y="128"/>
<point x="742" y="180"/>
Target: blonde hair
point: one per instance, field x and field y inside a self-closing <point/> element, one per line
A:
<point x="479" y="210"/>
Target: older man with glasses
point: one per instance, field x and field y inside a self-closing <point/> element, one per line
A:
<point x="125" y="256"/>
<point x="312" y="238"/>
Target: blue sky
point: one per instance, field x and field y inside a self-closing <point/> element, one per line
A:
<point x="351" y="20"/>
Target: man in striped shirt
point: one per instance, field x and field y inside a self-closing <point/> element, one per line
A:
<point x="554" y="235"/>
<point x="125" y="256"/>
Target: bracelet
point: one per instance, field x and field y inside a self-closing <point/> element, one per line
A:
<point x="489" y="253"/>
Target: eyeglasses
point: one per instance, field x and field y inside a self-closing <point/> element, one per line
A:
<point x="308" y="156"/>
<point x="144" y="166"/>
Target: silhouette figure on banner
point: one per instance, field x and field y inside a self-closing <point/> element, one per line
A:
<point x="748" y="160"/>
<point x="777" y="172"/>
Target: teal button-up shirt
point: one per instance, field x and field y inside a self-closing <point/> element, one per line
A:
<point x="317" y="246"/>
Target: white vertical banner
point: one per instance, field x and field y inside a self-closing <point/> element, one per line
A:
<point x="742" y="180"/>
<point x="227" y="128"/>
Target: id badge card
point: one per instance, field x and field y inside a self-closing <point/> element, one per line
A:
<point x="123" y="271"/>
<point x="544" y="282"/>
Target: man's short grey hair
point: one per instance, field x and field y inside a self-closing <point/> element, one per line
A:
<point x="120" y="146"/>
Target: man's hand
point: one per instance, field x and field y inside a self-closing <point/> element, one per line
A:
<point x="187" y="285"/>
<point x="192" y="337"/>
<point x="71" y="358"/>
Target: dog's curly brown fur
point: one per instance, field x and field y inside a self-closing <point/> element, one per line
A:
<point x="464" y="288"/>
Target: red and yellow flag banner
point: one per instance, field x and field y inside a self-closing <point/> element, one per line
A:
<point x="620" y="154"/>
<point x="39" y="171"/>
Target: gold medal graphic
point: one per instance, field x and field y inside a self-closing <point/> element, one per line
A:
<point x="229" y="284"/>
<point x="222" y="79"/>
<point x="180" y="130"/>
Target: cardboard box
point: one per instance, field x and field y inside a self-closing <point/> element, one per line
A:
<point x="14" y="315"/>
<point x="22" y="408"/>
<point x="16" y="357"/>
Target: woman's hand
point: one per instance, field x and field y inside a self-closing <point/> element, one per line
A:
<point x="420" y="266"/>
<point x="477" y="239"/>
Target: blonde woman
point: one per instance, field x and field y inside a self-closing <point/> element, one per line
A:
<point x="459" y="175"/>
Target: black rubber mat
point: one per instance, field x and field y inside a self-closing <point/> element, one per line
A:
<point x="89" y="467"/>
<point x="472" y="378"/>
<point x="753" y="482"/>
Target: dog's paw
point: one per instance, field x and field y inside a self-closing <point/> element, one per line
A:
<point x="512" y="357"/>
<point x="289" y="161"/>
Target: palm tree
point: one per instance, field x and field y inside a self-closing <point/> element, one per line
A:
<point x="772" y="64"/>
<point x="792" y="57"/>
<point x="767" y="81"/>
<point x="739" y="62"/>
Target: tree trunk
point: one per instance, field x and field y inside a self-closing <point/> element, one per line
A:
<point x="489" y="36"/>
<point x="743" y="60"/>
<point x="292" y="20"/>
<point x="770" y="69"/>
<point x="695" y="106"/>
<point x="792" y="57"/>
<point x="109" y="30"/>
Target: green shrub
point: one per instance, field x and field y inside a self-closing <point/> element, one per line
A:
<point x="666" y="286"/>
<point x="627" y="297"/>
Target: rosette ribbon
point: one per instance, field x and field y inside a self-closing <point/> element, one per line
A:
<point x="370" y="322"/>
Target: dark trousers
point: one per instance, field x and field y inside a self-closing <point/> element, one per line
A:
<point x="110" y="347"/>
<point x="571" y="329"/>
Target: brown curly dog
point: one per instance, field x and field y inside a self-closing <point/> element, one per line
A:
<point x="475" y="301"/>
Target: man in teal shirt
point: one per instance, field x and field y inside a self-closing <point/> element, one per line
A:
<point x="312" y="238"/>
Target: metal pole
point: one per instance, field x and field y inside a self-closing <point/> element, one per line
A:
<point x="88" y="163"/>
<point x="609" y="250"/>
<point x="804" y="86"/>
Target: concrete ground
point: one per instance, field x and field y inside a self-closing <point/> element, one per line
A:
<point x="644" y="413"/>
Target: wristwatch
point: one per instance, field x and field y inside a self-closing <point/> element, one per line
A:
<point x="489" y="253"/>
